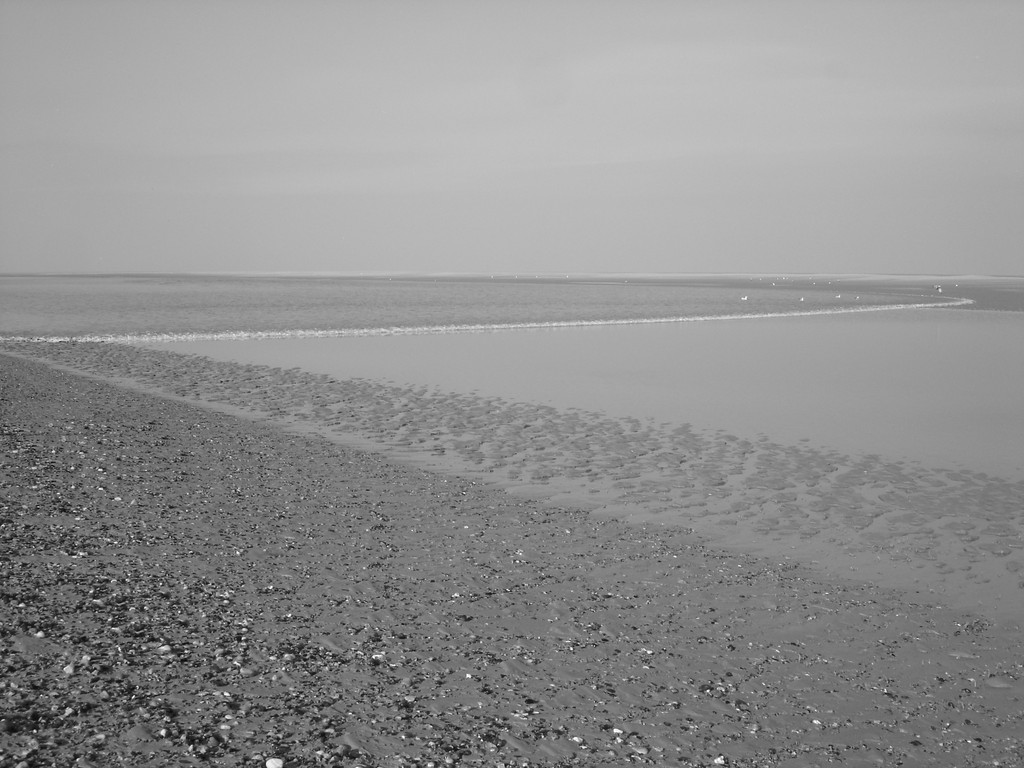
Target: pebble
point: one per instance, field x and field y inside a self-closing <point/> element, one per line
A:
<point x="140" y="732"/>
<point x="998" y="682"/>
<point x="713" y="609"/>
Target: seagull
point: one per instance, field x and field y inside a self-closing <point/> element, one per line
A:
<point x="743" y="298"/>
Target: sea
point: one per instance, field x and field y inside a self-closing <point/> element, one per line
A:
<point x="900" y="377"/>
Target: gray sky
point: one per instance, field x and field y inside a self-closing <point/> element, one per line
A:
<point x="512" y="136"/>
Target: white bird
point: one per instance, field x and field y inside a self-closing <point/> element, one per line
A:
<point x="743" y="298"/>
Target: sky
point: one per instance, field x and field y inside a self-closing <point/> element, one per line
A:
<point x="526" y="136"/>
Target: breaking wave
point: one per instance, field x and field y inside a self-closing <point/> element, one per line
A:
<point x="310" y="333"/>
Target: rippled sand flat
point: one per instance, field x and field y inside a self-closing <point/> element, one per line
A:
<point x="954" y="536"/>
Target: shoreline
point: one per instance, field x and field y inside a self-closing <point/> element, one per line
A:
<point x="305" y="333"/>
<point x="142" y="304"/>
<point x="182" y="585"/>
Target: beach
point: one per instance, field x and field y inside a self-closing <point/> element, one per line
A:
<point x="506" y="385"/>
<point x="950" y="535"/>
<point x="226" y="585"/>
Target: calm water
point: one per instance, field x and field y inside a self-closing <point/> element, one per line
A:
<point x="936" y="386"/>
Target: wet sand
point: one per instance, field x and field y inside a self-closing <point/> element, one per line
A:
<point x="949" y="535"/>
<point x="186" y="586"/>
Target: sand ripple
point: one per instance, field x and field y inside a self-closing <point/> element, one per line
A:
<point x="956" y="533"/>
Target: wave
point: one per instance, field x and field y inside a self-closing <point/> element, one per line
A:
<point x="321" y="333"/>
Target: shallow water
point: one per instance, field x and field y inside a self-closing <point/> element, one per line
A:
<point x="934" y="387"/>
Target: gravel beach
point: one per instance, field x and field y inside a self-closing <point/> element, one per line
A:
<point x="184" y="587"/>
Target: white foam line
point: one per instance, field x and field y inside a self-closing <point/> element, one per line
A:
<point x="315" y="333"/>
